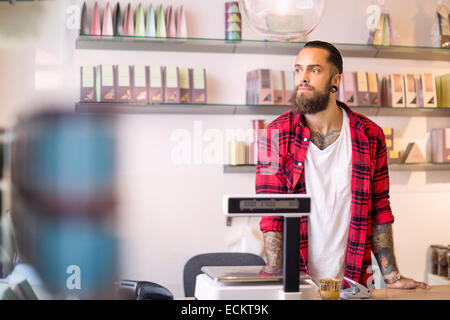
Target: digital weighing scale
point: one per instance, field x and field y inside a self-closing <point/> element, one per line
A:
<point x="243" y="283"/>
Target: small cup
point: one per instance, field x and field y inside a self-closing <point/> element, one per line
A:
<point x="330" y="289"/>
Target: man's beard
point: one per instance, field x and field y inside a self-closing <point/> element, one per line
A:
<point x="318" y="102"/>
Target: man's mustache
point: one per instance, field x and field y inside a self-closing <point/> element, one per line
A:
<point x="303" y="86"/>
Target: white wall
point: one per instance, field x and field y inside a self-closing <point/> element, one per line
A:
<point x="169" y="213"/>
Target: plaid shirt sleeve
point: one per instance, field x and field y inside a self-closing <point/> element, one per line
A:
<point x="268" y="174"/>
<point x="380" y="207"/>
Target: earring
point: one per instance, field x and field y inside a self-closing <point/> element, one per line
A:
<point x="333" y="89"/>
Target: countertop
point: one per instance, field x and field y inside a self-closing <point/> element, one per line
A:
<point x="433" y="293"/>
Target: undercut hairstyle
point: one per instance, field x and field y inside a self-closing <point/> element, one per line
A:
<point x="334" y="56"/>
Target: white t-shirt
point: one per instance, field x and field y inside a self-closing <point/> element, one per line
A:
<point x="328" y="181"/>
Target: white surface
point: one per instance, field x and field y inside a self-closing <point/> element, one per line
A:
<point x="208" y="289"/>
<point x="158" y="231"/>
<point x="329" y="220"/>
<point x="434" y="280"/>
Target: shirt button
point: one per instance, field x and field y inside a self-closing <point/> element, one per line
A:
<point x="305" y="139"/>
<point x="300" y="164"/>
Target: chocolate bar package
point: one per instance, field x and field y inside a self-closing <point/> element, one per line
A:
<point x="199" y="93"/>
<point x="156" y="85"/>
<point x="289" y="86"/>
<point x="419" y="90"/>
<point x="397" y="90"/>
<point x="252" y="87"/>
<point x="264" y="86"/>
<point x="247" y="91"/>
<point x="278" y="87"/>
<point x="185" y="85"/>
<point x="429" y="90"/>
<point x="347" y="88"/>
<point x="440" y="145"/>
<point x="171" y="85"/>
<point x="362" y="89"/>
<point x="374" y="89"/>
<point x="445" y="90"/>
<point x="386" y="95"/>
<point x="107" y="83"/>
<point x="140" y="84"/>
<point x="88" y="84"/>
<point x="251" y="92"/>
<point x="410" y="91"/>
<point x="123" y="84"/>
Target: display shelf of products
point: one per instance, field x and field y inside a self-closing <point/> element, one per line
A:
<point x="209" y="45"/>
<point x="230" y="109"/>
<point x="250" y="168"/>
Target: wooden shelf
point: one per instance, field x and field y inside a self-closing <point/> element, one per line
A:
<point x="253" y="47"/>
<point x="392" y="167"/>
<point x="231" y="109"/>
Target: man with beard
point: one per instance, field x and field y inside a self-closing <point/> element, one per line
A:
<point x="339" y="158"/>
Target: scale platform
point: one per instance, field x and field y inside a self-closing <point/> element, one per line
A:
<point x="246" y="283"/>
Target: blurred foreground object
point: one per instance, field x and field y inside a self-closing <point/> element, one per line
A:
<point x="64" y="201"/>
<point x="142" y="290"/>
<point x="283" y="20"/>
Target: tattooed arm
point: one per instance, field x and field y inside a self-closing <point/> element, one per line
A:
<point x="383" y="249"/>
<point x="273" y="247"/>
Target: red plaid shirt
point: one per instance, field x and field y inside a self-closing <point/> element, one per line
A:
<point x="280" y="170"/>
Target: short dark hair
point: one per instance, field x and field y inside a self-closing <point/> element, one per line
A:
<point x="334" y="56"/>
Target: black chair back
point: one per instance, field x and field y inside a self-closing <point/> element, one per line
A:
<point x="193" y="266"/>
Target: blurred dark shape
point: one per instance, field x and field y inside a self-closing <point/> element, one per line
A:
<point x="117" y="21"/>
<point x="9" y="257"/>
<point x="142" y="290"/>
<point x="2" y="153"/>
<point x="64" y="201"/>
<point x="85" y="28"/>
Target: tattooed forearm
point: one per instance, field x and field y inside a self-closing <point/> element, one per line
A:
<point x="323" y="141"/>
<point x="383" y="249"/>
<point x="273" y="246"/>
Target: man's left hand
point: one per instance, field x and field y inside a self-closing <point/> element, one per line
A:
<point x="406" y="283"/>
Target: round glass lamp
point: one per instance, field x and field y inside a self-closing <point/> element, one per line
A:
<point x="283" y="20"/>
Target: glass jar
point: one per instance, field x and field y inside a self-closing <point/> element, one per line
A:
<point x="442" y="261"/>
<point x="448" y="262"/>
<point x="434" y="259"/>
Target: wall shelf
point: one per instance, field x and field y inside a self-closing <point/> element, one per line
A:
<point x="231" y="109"/>
<point x="249" y="168"/>
<point x="253" y="47"/>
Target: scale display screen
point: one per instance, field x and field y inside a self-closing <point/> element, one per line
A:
<point x="273" y="206"/>
<point x="268" y="204"/>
